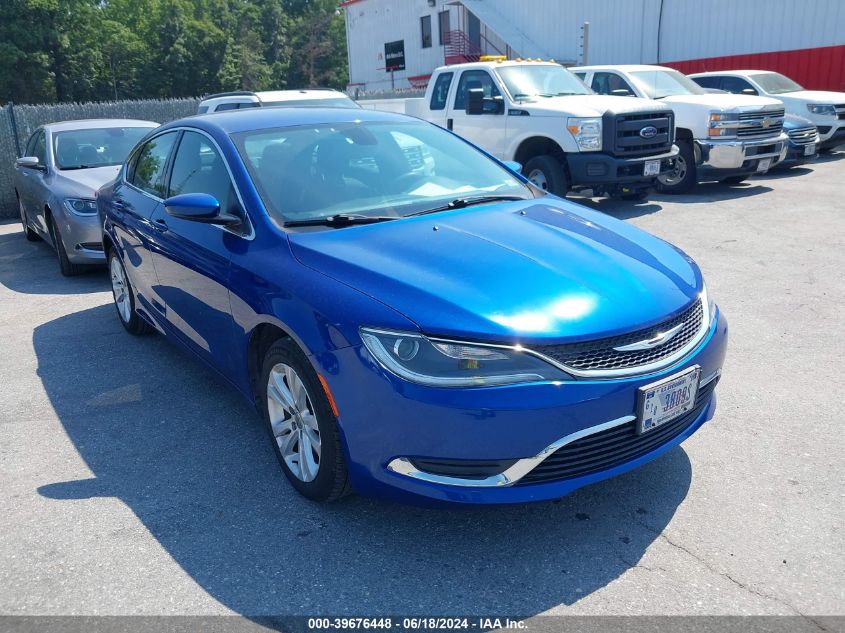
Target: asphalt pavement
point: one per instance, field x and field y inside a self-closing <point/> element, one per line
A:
<point x="132" y="481"/>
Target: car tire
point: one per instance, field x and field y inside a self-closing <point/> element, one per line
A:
<point x="124" y="298"/>
<point x="68" y="268"/>
<point x="547" y="173"/>
<point x="302" y="425"/>
<point x="685" y="175"/>
<point x="735" y="180"/>
<point x="30" y="235"/>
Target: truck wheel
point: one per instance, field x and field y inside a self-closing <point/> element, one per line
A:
<point x="735" y="180"/>
<point x="684" y="176"/>
<point x="547" y="173"/>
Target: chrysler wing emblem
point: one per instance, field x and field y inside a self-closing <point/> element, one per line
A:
<point x="660" y="339"/>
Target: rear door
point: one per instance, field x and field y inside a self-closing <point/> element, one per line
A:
<point x="487" y="130"/>
<point x="192" y="258"/>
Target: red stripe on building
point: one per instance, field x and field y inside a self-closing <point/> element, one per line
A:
<point x="814" y="68"/>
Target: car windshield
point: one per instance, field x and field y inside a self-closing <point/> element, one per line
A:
<point x="526" y="81"/>
<point x="384" y="169"/>
<point x="775" y="83"/>
<point x="657" y="84"/>
<point x="334" y="102"/>
<point x="95" y="147"/>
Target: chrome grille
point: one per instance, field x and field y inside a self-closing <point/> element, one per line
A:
<point x="598" y="356"/>
<point x="803" y="135"/>
<point x="752" y="124"/>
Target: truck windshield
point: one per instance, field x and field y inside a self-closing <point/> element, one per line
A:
<point x="542" y="80"/>
<point x="775" y="83"/>
<point x="385" y="169"/>
<point x="657" y="84"/>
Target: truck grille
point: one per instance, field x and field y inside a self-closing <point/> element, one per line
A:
<point x="760" y="124"/>
<point x="614" y="446"/>
<point x="598" y="356"/>
<point x="840" y="110"/>
<point x="627" y="140"/>
<point x="803" y="135"/>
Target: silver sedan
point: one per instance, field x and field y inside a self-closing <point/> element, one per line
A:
<point x="56" y="180"/>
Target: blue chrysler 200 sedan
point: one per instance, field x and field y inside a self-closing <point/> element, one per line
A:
<point x="412" y="318"/>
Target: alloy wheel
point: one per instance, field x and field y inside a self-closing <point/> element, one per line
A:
<point x="293" y="421"/>
<point x="120" y="290"/>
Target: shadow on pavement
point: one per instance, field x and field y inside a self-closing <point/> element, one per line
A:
<point x="190" y="457"/>
<point x="32" y="268"/>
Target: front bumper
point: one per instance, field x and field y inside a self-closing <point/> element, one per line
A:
<point x="597" y="170"/>
<point x="832" y="136"/>
<point x="741" y="155"/>
<point x="390" y="421"/>
<point x="82" y="236"/>
<point x="796" y="155"/>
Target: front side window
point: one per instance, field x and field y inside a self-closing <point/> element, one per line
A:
<point x="147" y="168"/>
<point x="37" y="146"/>
<point x="95" y="147"/>
<point x="657" y="84"/>
<point x="472" y="79"/>
<point x="367" y="168"/>
<point x="198" y="167"/>
<point x="440" y="92"/>
<point x="425" y="28"/>
<point x="526" y="81"/>
<point x="775" y="83"/>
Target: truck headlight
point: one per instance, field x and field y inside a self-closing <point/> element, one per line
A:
<point x="81" y="206"/>
<point x="825" y="109"/>
<point x="723" y="124"/>
<point x="587" y="133"/>
<point x="437" y="363"/>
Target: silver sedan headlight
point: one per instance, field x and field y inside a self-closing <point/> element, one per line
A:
<point x="81" y="206"/>
<point x="439" y="363"/>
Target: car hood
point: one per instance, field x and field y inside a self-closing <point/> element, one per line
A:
<point x="814" y="96"/>
<point x="725" y="102"/>
<point x="588" y="105"/>
<point x="533" y="271"/>
<point x="85" y="182"/>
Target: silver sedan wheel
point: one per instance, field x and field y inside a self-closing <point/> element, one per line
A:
<point x="293" y="422"/>
<point x="539" y="179"/>
<point x="676" y="175"/>
<point x="120" y="289"/>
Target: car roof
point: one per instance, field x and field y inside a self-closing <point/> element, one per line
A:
<point x="733" y="73"/>
<point x="625" y="67"/>
<point x="234" y="121"/>
<point x="88" y="124"/>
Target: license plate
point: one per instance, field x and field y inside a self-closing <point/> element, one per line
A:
<point x="663" y="401"/>
<point x="810" y="149"/>
<point x="764" y="164"/>
<point x="652" y="168"/>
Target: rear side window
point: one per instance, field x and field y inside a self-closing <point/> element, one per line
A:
<point x="608" y="83"/>
<point x="146" y="171"/>
<point x="737" y="85"/>
<point x="708" y="82"/>
<point x="471" y="79"/>
<point x="441" y="91"/>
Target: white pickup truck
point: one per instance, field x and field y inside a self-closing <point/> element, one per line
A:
<point x="721" y="136"/>
<point x="565" y="137"/>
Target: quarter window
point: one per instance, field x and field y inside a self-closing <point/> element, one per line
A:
<point x="471" y="79"/>
<point x="147" y="168"/>
<point x="441" y="91"/>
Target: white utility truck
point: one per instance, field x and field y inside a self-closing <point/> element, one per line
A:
<point x="721" y="136"/>
<point x="565" y="137"/>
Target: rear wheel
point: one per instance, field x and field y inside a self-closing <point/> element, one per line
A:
<point x="547" y="173"/>
<point x="68" y="268"/>
<point x="30" y="235"/>
<point x="735" y="180"/>
<point x="124" y="300"/>
<point x="302" y="425"/>
<point x="684" y="176"/>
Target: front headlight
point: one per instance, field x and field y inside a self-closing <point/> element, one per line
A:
<point x="81" y="206"/>
<point x="826" y="109"/>
<point x="708" y="301"/>
<point x="436" y="363"/>
<point x="587" y="133"/>
<point x="723" y="124"/>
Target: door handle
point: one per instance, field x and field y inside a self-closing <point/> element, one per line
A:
<point x="160" y="224"/>
<point x="450" y="124"/>
<point x="118" y="204"/>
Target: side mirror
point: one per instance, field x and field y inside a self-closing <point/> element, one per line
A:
<point x="749" y="91"/>
<point x="475" y="101"/>
<point x="30" y="162"/>
<point x="621" y="92"/>
<point x="513" y="166"/>
<point x="198" y="207"/>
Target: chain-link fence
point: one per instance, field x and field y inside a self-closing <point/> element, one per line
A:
<point x="18" y="122"/>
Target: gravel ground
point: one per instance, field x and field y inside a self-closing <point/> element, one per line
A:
<point x="134" y="482"/>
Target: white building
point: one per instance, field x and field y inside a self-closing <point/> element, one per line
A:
<point x="395" y="44"/>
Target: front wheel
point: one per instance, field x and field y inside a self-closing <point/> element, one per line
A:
<point x="302" y="425"/>
<point x="67" y="267"/>
<point x="124" y="300"/>
<point x="30" y="235"/>
<point x="547" y="173"/>
<point x="684" y="176"/>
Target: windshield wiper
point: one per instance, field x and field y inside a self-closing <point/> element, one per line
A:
<point x="461" y="203"/>
<point x="341" y="220"/>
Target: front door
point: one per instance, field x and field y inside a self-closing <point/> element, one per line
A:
<point x="485" y="130"/>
